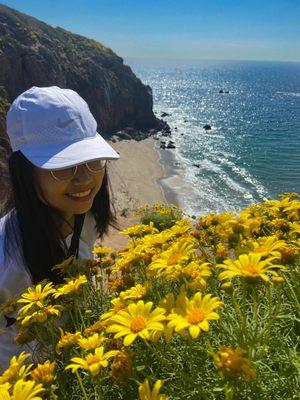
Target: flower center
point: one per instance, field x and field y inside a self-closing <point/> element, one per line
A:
<point x="252" y="269"/>
<point x="37" y="296"/>
<point x="174" y="258"/>
<point x="138" y="323"/>
<point x="93" y="359"/>
<point x="195" y="316"/>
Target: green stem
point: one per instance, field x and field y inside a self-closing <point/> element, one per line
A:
<point x="244" y="314"/>
<point x="99" y="390"/>
<point x="229" y="392"/>
<point x="80" y="314"/>
<point x="81" y="386"/>
<point x="255" y="317"/>
<point x="271" y="320"/>
<point x="239" y="314"/>
<point x="294" y="296"/>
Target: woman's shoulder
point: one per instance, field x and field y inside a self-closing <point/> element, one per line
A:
<point x="14" y="277"/>
<point x="89" y="230"/>
<point x="3" y="221"/>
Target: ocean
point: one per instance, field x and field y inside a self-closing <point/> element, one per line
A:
<point x="252" y="152"/>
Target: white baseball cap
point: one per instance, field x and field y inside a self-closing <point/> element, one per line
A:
<point x="54" y="129"/>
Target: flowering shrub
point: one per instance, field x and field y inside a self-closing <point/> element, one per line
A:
<point x="205" y="309"/>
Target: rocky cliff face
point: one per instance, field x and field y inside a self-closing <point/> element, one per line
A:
<point x="33" y="53"/>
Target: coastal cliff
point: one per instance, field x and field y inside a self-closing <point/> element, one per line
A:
<point x="34" y="53"/>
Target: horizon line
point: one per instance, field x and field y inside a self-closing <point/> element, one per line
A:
<point x="205" y="59"/>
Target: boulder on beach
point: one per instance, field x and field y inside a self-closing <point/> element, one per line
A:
<point x="171" y="145"/>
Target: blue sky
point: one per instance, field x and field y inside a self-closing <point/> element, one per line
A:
<point x="180" y="29"/>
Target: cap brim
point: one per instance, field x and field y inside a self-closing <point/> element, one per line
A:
<point x="67" y="155"/>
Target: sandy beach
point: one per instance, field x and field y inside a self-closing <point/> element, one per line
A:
<point x="134" y="181"/>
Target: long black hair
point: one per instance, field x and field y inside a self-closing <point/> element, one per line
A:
<point x="36" y="232"/>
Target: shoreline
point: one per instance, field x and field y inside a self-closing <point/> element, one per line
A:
<point x="142" y="175"/>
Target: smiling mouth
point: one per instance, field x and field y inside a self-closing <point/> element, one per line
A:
<point x="80" y="194"/>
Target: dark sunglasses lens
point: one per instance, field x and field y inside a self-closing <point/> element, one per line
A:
<point x="64" y="174"/>
<point x="97" y="165"/>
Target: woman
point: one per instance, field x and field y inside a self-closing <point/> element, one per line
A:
<point x="60" y="199"/>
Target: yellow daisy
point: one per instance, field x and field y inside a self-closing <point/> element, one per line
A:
<point x="249" y="266"/>
<point x="16" y="369"/>
<point x="194" y="314"/>
<point x="136" y="321"/>
<point x="43" y="373"/>
<point x="194" y="274"/>
<point x="91" y="342"/>
<point x="23" y="390"/>
<point x="268" y="246"/>
<point x="169" y="260"/>
<point x="35" y="296"/>
<point x="72" y="286"/>
<point x="118" y="305"/>
<point x="67" y="339"/>
<point x="136" y="292"/>
<point x="93" y="361"/>
<point x="101" y="251"/>
<point x="168" y="304"/>
<point x="41" y="315"/>
<point x="233" y="364"/>
<point x="141" y="229"/>
<point x="145" y="392"/>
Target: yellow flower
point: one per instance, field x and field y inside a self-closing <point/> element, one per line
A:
<point x="125" y="258"/>
<point x="92" y="342"/>
<point x="135" y="292"/>
<point x="233" y="364"/>
<point x="118" y="305"/>
<point x="65" y="264"/>
<point x="93" y="361"/>
<point x="72" y="286"/>
<point x="268" y="246"/>
<point x="141" y="229"/>
<point x="95" y="328"/>
<point x="4" y="388"/>
<point x="169" y="260"/>
<point x="67" y="339"/>
<point x="194" y="314"/>
<point x="227" y="287"/>
<point x="41" y="315"/>
<point x="137" y="321"/>
<point x="168" y="304"/>
<point x="101" y="251"/>
<point x="250" y="267"/>
<point x="121" y="368"/>
<point x="194" y="274"/>
<point x="16" y="369"/>
<point x="145" y="392"/>
<point x="35" y="296"/>
<point x="23" y="391"/>
<point x="43" y="373"/>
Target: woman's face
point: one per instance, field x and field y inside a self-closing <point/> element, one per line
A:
<point x="58" y="193"/>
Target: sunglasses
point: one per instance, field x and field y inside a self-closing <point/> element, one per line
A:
<point x="68" y="173"/>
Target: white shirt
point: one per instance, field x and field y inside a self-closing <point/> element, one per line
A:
<point x="15" y="279"/>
